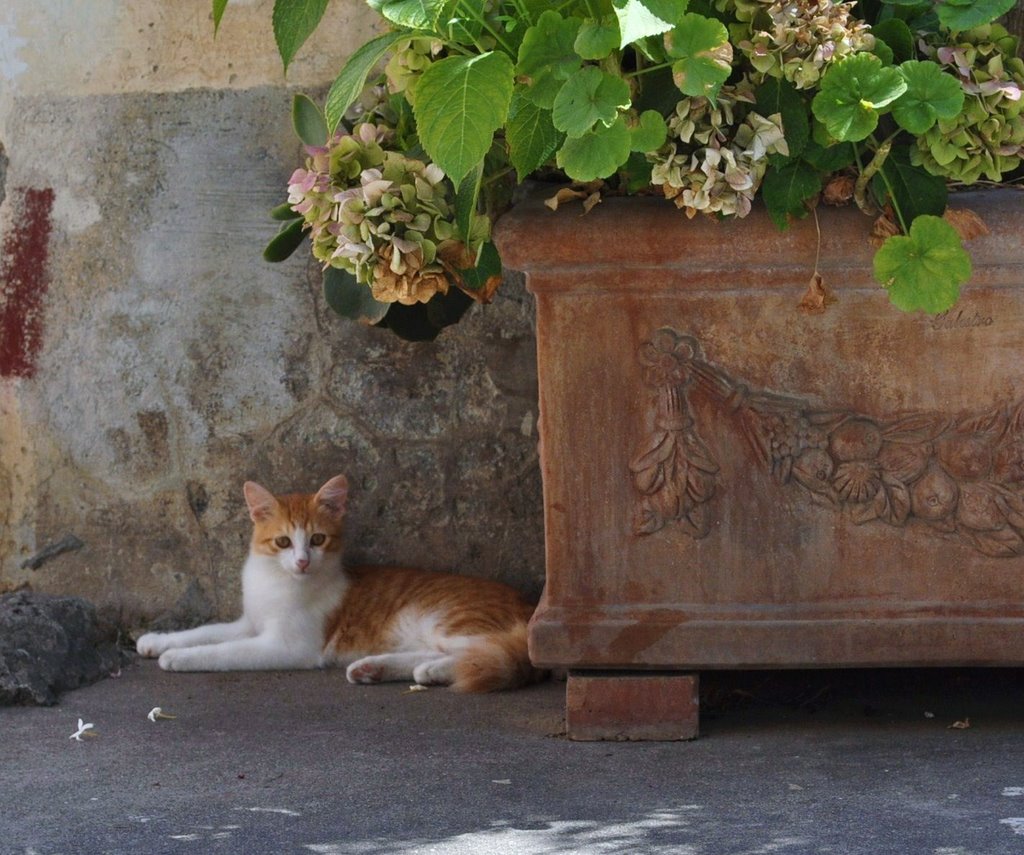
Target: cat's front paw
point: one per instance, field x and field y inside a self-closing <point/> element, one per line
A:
<point x="152" y="644"/>
<point x="178" y="659"/>
<point x="365" y="671"/>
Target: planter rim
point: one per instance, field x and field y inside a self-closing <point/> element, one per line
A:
<point x="649" y="233"/>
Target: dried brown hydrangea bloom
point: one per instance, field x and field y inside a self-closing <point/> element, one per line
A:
<point x="412" y="282"/>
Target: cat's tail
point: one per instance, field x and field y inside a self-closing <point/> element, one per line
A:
<point x="495" y="662"/>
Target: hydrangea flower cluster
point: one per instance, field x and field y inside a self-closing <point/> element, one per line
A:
<point x="717" y="154"/>
<point x="805" y="36"/>
<point x="407" y="64"/>
<point x="386" y="218"/>
<point x="987" y="137"/>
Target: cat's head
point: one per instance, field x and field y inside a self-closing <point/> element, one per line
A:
<point x="301" y="532"/>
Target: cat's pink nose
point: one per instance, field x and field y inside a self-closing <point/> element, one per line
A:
<point x="302" y="563"/>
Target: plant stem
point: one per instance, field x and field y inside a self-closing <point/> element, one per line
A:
<point x="478" y="16"/>
<point x="491" y="179"/>
<point x="875" y="167"/>
<point x="522" y="12"/>
<point x="640" y="71"/>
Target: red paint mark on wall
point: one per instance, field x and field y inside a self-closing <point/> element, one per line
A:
<point x="23" y="283"/>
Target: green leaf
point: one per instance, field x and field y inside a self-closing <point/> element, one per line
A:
<point x="294" y="22"/>
<point x="350" y="299"/>
<point x="931" y="95"/>
<point x="350" y="82"/>
<point x="650" y="133"/>
<point x="776" y="95"/>
<point x="488" y="266"/>
<point x="284" y="212"/>
<point x="883" y="52"/>
<point x="641" y="18"/>
<point x="965" y="16"/>
<point x="460" y="102"/>
<point x="703" y="55"/>
<point x="587" y="98"/>
<point x="915" y="191"/>
<point x="308" y="121"/>
<point x="416" y="14"/>
<point x="547" y="57"/>
<point x="635" y="173"/>
<point x="898" y="36"/>
<point x="597" y="38"/>
<point x="785" y="190"/>
<point x="531" y="135"/>
<point x="596" y="154"/>
<point x="218" y="12"/>
<point x="829" y="158"/>
<point x="466" y="199"/>
<point x="925" y="269"/>
<point x="285" y="242"/>
<point x="853" y="92"/>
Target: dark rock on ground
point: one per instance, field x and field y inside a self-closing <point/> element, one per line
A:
<point x="49" y="644"/>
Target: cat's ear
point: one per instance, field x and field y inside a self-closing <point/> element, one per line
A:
<point x="333" y="496"/>
<point x="260" y="500"/>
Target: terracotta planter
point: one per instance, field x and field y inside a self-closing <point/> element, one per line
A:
<point x="731" y="483"/>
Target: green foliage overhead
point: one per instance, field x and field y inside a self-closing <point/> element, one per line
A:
<point x="433" y="120"/>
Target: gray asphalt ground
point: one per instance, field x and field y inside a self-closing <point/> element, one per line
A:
<point x="817" y="762"/>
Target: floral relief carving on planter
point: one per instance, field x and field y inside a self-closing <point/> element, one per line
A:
<point x="962" y="475"/>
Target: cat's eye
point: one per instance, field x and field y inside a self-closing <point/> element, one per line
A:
<point x="283" y="542"/>
<point x="317" y="539"/>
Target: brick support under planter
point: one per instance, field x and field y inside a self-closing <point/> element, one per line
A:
<point x="631" y="706"/>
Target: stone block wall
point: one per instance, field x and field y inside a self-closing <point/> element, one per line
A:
<point x="150" y="361"/>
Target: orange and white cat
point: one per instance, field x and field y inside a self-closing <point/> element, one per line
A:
<point x="302" y="608"/>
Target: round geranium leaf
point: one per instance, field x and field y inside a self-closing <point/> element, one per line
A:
<point x="702" y="53"/>
<point x="924" y="269"/>
<point x="854" y="93"/>
<point x="596" y="154"/>
<point x="597" y="38"/>
<point x="649" y="133"/>
<point x="639" y="19"/>
<point x="897" y="35"/>
<point x="931" y="95"/>
<point x="547" y="57"/>
<point x="958" y="16"/>
<point x="587" y="98"/>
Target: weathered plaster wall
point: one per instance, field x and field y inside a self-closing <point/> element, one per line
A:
<point x="150" y="361"/>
